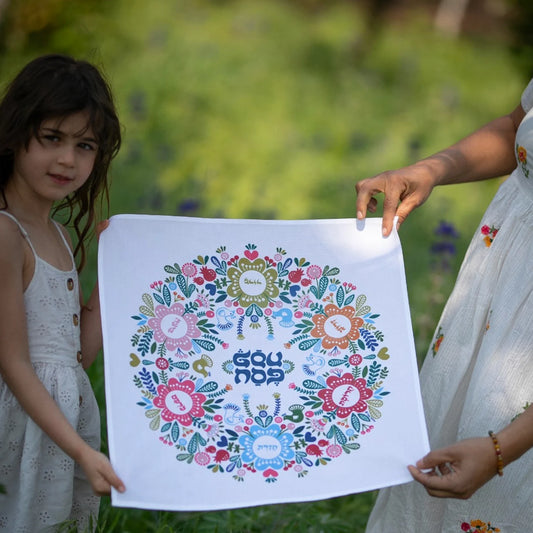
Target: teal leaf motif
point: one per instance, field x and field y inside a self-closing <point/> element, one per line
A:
<point x="210" y="386"/>
<point x="166" y="295"/>
<point x="312" y="385"/>
<point x="206" y="345"/>
<point x="308" y="344"/>
<point x="340" y="296"/>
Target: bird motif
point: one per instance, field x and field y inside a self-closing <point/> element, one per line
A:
<point x="286" y="317"/>
<point x="316" y="362"/>
<point x="224" y="318"/>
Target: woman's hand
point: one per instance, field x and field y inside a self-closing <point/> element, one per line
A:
<point x="457" y="471"/>
<point x="404" y="190"/>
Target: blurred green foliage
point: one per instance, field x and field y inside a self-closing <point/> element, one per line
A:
<point x="274" y="109"/>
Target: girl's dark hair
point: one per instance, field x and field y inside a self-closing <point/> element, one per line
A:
<point x="55" y="86"/>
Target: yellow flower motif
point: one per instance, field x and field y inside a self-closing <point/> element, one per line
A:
<point x="252" y="282"/>
<point x="337" y="327"/>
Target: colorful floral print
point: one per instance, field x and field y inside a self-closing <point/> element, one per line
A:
<point x="521" y="155"/>
<point x="439" y="337"/>
<point x="478" y="525"/>
<point x="204" y="308"/>
<point x="489" y="233"/>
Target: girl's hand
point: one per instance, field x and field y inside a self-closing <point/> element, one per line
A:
<point x="100" y="472"/>
<point x="101" y="226"/>
<point x="404" y="190"/>
<point x="457" y="471"/>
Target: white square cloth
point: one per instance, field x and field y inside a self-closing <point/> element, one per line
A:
<point x="250" y="362"/>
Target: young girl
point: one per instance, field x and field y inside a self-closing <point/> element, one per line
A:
<point x="58" y="134"/>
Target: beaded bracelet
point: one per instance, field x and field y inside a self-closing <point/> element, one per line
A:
<point x="499" y="459"/>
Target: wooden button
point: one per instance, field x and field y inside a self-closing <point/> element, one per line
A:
<point x="70" y="284"/>
<point x="75" y="320"/>
<point x="79" y="357"/>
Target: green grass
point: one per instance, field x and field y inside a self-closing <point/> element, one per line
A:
<point x="263" y="110"/>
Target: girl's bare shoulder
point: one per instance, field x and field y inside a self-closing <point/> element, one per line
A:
<point x="11" y="243"/>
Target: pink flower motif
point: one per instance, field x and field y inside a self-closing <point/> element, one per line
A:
<point x="485" y="230"/>
<point x="178" y="401"/>
<point x="355" y="359"/>
<point x="314" y="271"/>
<point x="346" y="395"/>
<point x="173" y="327"/>
<point x="189" y="270"/>
<point x="334" y="450"/>
<point x="202" y="458"/>
<point x="465" y="526"/>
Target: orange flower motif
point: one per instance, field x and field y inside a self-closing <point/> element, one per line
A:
<point x="522" y="154"/>
<point x="337" y="327"/>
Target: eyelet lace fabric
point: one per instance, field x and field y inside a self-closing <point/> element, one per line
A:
<point x="44" y="486"/>
<point x="480" y="377"/>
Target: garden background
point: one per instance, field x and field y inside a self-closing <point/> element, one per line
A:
<point x="274" y="109"/>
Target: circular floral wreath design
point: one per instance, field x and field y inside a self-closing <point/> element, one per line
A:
<point x="213" y="302"/>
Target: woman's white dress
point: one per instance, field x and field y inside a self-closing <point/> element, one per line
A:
<point x="478" y="373"/>
<point x="44" y="486"/>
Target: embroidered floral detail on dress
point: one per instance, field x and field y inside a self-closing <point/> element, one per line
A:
<point x="526" y="406"/>
<point x="478" y="525"/>
<point x="438" y="340"/>
<point x="521" y="155"/>
<point x="489" y="233"/>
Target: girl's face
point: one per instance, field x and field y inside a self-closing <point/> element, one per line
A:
<point x="59" y="161"/>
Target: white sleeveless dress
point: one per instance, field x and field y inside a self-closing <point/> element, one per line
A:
<point x="478" y="373"/>
<point x="44" y="486"/>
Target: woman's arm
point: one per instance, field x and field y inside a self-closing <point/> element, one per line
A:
<point x="464" y="467"/>
<point x="18" y="373"/>
<point x="486" y="153"/>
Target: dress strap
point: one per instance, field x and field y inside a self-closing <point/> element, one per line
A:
<point x="65" y="242"/>
<point x="21" y="228"/>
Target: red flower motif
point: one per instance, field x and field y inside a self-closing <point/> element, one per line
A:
<point x="296" y="275"/>
<point x="522" y="154"/>
<point x="178" y="401"/>
<point x="313" y="449"/>
<point x="208" y="273"/>
<point x="346" y="395"/>
<point x="355" y="359"/>
<point x="221" y="455"/>
<point x="161" y="363"/>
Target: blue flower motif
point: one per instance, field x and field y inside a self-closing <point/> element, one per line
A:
<point x="267" y="447"/>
